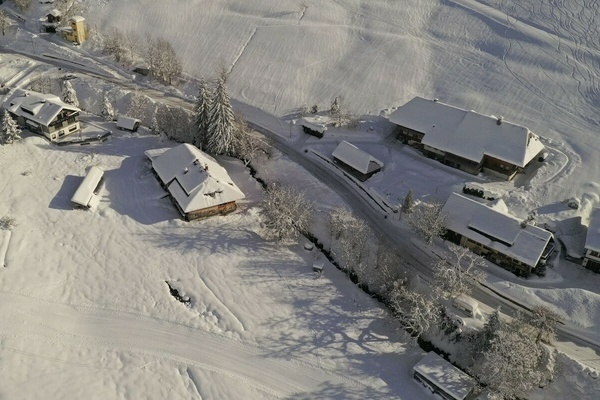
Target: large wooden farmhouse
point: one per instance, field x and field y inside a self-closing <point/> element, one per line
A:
<point x="489" y="230"/>
<point x="199" y="187"/>
<point x="355" y="161"/>
<point x="591" y="259"/>
<point x="42" y="113"/>
<point x="465" y="139"/>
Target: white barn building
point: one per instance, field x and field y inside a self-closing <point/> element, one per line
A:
<point x="199" y="187"/>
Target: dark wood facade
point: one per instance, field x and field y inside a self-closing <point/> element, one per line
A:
<point x="221" y="209"/>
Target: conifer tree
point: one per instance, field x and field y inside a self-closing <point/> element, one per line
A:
<point x="108" y="112"/>
<point x="10" y="130"/>
<point x="408" y="203"/>
<point x="202" y="114"/>
<point x="69" y="94"/>
<point x="220" y="132"/>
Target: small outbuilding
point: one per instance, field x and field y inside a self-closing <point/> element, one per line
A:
<point x="355" y="161"/>
<point x="125" y="123"/>
<point x="198" y="186"/>
<point x="86" y="194"/>
<point x="314" y="126"/>
<point x="443" y="378"/>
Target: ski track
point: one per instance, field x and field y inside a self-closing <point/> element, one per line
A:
<point x="28" y="318"/>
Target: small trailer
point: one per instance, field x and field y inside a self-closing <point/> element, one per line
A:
<point x="125" y="123"/>
<point x="85" y="196"/>
<point x="314" y="126"/>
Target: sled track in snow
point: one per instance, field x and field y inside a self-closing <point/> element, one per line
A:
<point x="30" y="318"/>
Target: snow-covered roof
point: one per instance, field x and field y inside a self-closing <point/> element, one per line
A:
<point x="358" y="159"/>
<point x="592" y="241"/>
<point x="466" y="133"/>
<point x="77" y="18"/>
<point x="494" y="227"/>
<point x="85" y="191"/>
<point x="194" y="179"/>
<point x="38" y="107"/>
<point x="127" y="122"/>
<point x="55" y="13"/>
<point x="445" y="375"/>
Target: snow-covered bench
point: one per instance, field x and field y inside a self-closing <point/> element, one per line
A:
<point x="85" y="195"/>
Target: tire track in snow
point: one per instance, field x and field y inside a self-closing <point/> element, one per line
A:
<point x="242" y="49"/>
<point x="27" y="318"/>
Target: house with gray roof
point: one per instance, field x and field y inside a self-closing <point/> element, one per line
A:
<point x="198" y="186"/>
<point x="489" y="230"/>
<point x="45" y="114"/>
<point x="355" y="161"/>
<point x="465" y="139"/>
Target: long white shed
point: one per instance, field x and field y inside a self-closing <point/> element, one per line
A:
<point x="85" y="195"/>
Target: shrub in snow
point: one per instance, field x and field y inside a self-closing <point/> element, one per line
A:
<point x="8" y="223"/>
<point x="10" y="129"/>
<point x="286" y="212"/>
<point x="4" y="22"/>
<point x="314" y="109"/>
<point x="69" y="95"/>
<point x="23" y="5"/>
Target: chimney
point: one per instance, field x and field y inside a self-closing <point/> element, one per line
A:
<point x="185" y="171"/>
<point x="499" y="120"/>
<point x="435" y="100"/>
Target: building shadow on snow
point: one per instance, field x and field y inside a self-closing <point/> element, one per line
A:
<point x="62" y="200"/>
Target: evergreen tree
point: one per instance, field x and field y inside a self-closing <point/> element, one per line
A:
<point x="220" y="133"/>
<point x="108" y="112"/>
<point x="69" y="94"/>
<point x="10" y="130"/>
<point x="335" y="110"/>
<point x="202" y="114"/>
<point x="408" y="203"/>
<point x="137" y="106"/>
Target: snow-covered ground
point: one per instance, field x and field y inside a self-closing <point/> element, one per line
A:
<point x="86" y="310"/>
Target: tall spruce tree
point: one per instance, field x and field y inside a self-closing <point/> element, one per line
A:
<point x="10" y="130"/>
<point x="202" y="114"/>
<point x="220" y="132"/>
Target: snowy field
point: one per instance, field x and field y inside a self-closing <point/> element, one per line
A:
<point x="85" y="307"/>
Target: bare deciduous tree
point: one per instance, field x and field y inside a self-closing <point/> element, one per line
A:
<point x="428" y="221"/>
<point x="114" y="44"/>
<point x="417" y="312"/>
<point x="175" y="123"/>
<point x="249" y="145"/>
<point x="543" y="321"/>
<point x="164" y="63"/>
<point x="286" y="212"/>
<point x="42" y="84"/>
<point x="458" y="275"/>
<point x="23" y="5"/>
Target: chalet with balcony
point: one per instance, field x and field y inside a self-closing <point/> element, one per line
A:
<point x="466" y="140"/>
<point x="489" y="230"/>
<point x="42" y="113"/>
<point x="591" y="260"/>
<point x="198" y="186"/>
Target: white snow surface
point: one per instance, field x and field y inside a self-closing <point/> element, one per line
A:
<point x="534" y="63"/>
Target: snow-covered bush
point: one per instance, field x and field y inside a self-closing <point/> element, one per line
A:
<point x="286" y="212"/>
<point x="458" y="275"/>
<point x="69" y="95"/>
